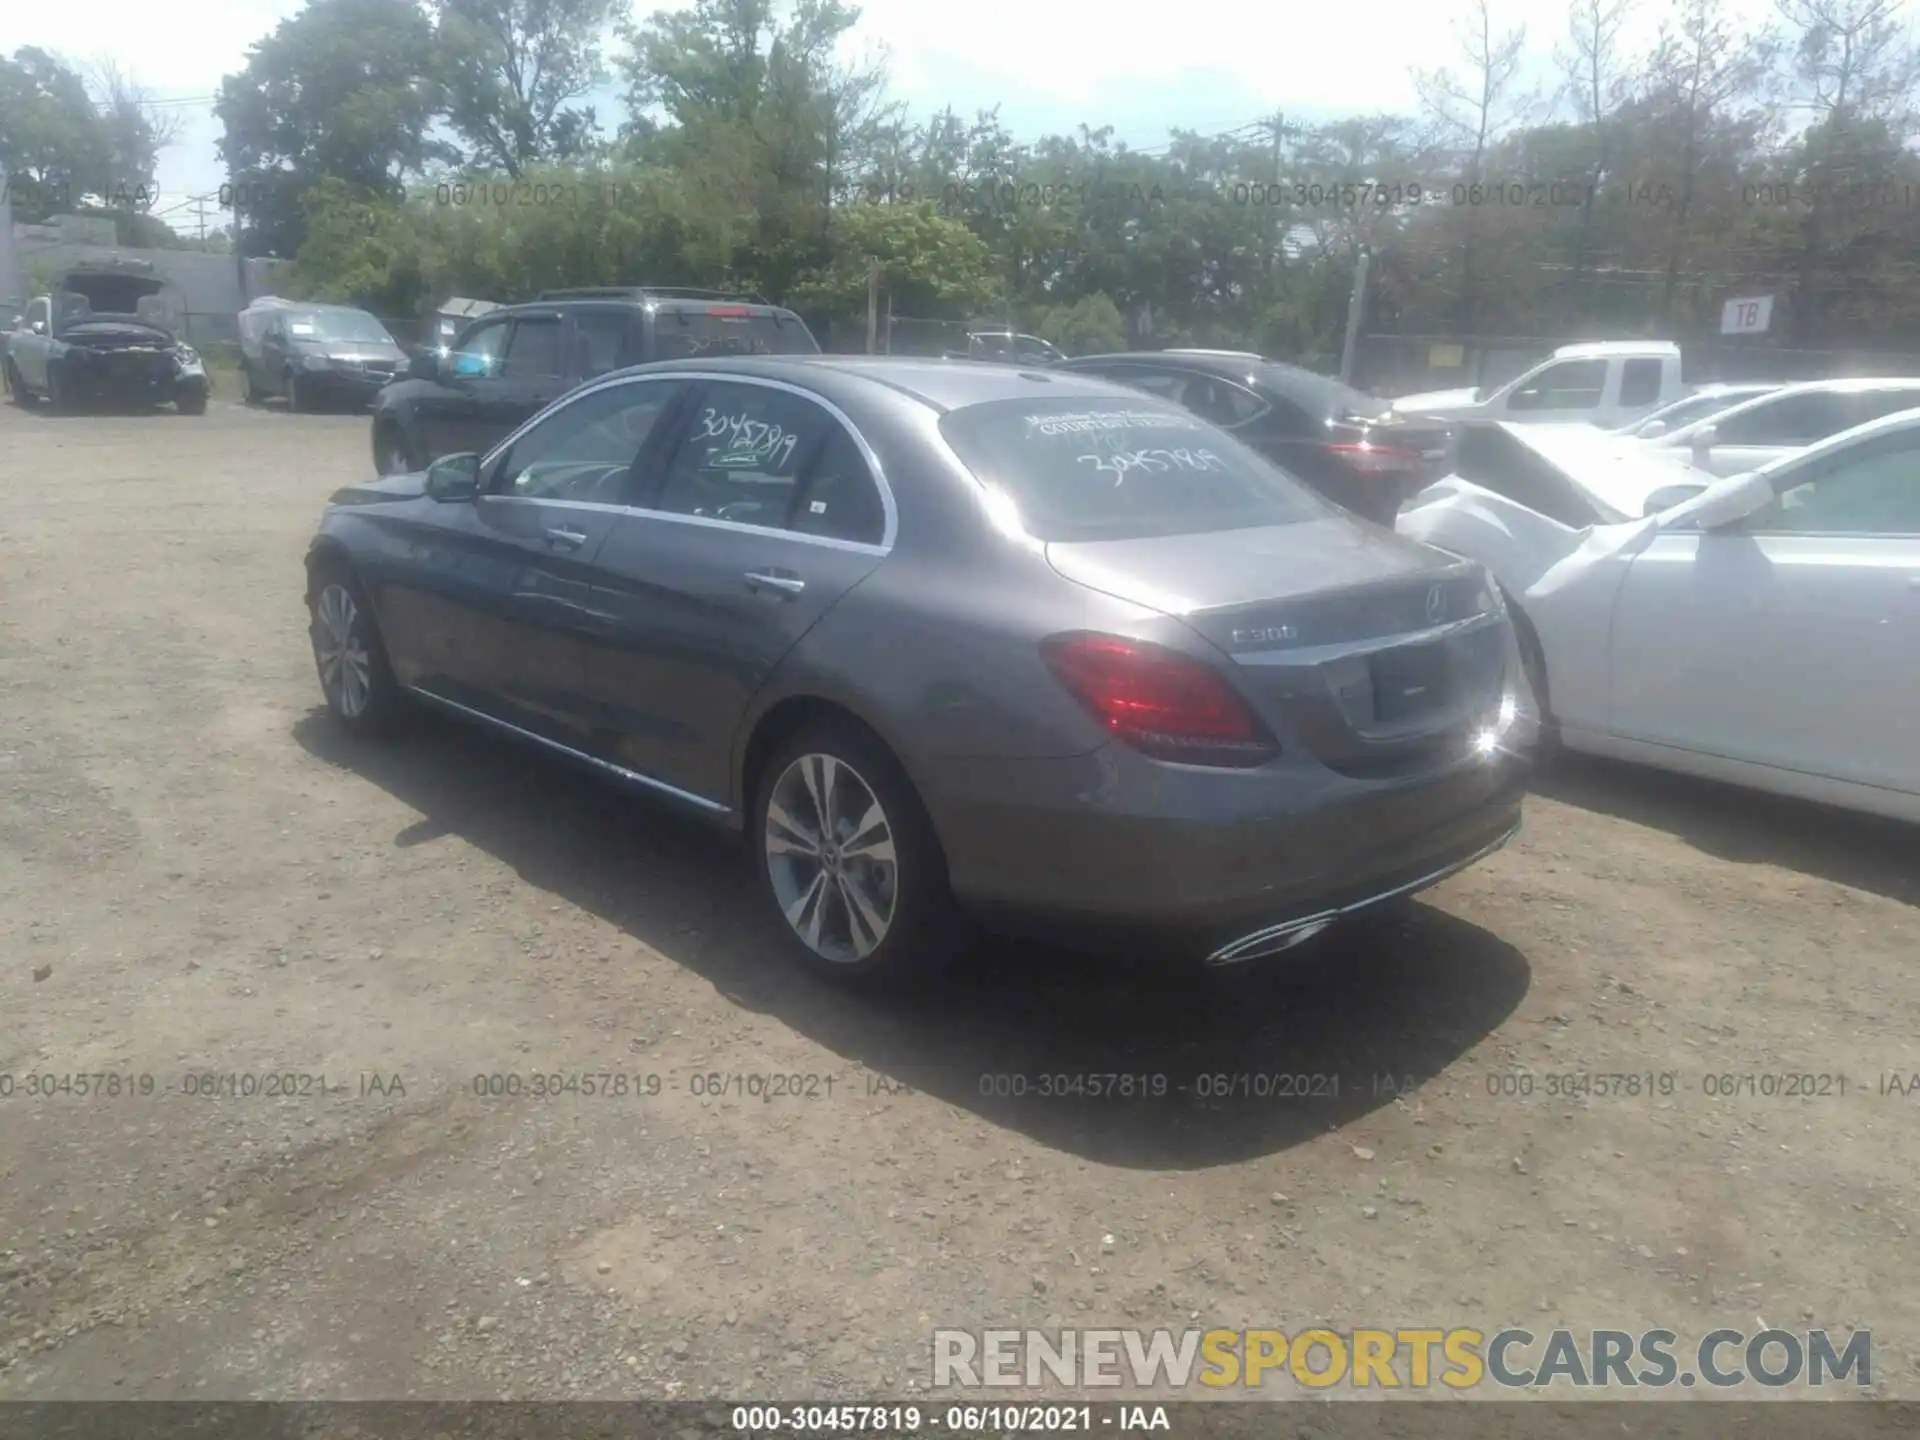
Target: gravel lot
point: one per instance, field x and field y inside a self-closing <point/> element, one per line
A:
<point x="198" y="874"/>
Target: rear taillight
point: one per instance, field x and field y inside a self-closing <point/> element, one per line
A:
<point x="730" y="312"/>
<point x="1368" y="459"/>
<point x="1159" y="701"/>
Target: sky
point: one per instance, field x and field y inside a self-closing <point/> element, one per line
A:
<point x="1144" y="68"/>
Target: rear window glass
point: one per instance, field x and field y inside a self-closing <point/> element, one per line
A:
<point x="1320" y="395"/>
<point x="1494" y="460"/>
<point x="1122" y="470"/>
<point x="693" y="334"/>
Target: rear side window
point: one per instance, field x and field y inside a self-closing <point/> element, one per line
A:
<point x="1873" y="404"/>
<point x="839" y="498"/>
<point x="692" y="332"/>
<point x="1494" y="460"/>
<point x="742" y="455"/>
<point x="1095" y="469"/>
<point x="1569" y="385"/>
<point x="1208" y="396"/>
<point x="1640" y="382"/>
<point x="533" y="349"/>
<point x="599" y="340"/>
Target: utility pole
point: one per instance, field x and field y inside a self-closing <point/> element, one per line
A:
<point x="239" y="254"/>
<point x="200" y="217"/>
<point x="873" y="307"/>
<point x="1356" y="307"/>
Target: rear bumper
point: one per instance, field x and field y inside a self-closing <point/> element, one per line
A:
<point x="343" y="385"/>
<point x="1216" y="864"/>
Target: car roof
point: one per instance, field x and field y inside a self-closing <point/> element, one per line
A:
<point x="1607" y="349"/>
<point x="939" y="384"/>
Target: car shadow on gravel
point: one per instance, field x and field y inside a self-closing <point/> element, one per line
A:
<point x="1222" y="1069"/>
<point x="1747" y="827"/>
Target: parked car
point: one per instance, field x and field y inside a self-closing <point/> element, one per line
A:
<point x="1605" y="383"/>
<point x="1762" y="629"/>
<point x="1704" y="402"/>
<point x="318" y="355"/>
<point x="1766" y="427"/>
<point x="91" y="340"/>
<point x="896" y="621"/>
<point x="1349" y="446"/>
<point x="518" y="359"/>
<point x="1006" y="347"/>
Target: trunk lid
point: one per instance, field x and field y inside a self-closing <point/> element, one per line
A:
<point x="1379" y="655"/>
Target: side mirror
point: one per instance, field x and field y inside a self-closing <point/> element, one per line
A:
<point x="1704" y="439"/>
<point x="1668" y="496"/>
<point x="1653" y="430"/>
<point x="454" y="477"/>
<point x="425" y="365"/>
<point x="1726" y="502"/>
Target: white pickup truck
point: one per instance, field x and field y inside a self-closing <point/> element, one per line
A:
<point x="1606" y="383"/>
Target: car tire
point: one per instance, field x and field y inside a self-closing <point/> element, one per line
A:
<point x="880" y="916"/>
<point x="296" y="402"/>
<point x="191" y="402"/>
<point x="250" y="393"/>
<point x="393" y="453"/>
<point x="17" y="385"/>
<point x="349" y="655"/>
<point x="58" y="399"/>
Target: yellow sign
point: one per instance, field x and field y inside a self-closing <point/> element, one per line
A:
<point x="1446" y="357"/>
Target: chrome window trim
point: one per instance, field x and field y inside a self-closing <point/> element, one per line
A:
<point x="876" y="472"/>
<point x="707" y="522"/>
<point x="713" y="807"/>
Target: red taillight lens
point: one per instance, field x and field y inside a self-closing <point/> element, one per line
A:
<point x="730" y="312"/>
<point x="1159" y="701"/>
<point x="1377" y="459"/>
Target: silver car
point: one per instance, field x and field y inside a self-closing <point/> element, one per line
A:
<point x="944" y="639"/>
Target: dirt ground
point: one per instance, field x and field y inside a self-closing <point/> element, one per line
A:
<point x="200" y="876"/>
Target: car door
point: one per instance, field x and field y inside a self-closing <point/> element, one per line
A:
<point x="30" y="356"/>
<point x="1793" y="639"/>
<point x="443" y="409"/>
<point x="599" y="339"/>
<point x="530" y="376"/>
<point x="767" y="507"/>
<point x="1567" y="390"/>
<point x="502" y="610"/>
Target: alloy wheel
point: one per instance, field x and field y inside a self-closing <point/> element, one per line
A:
<point x="831" y="859"/>
<point x="346" y="667"/>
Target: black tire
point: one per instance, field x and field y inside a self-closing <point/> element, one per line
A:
<point x="393" y="453"/>
<point x="17" y="385"/>
<point x="923" y="932"/>
<point x="250" y="393"/>
<point x="296" y="402"/>
<point x="377" y="705"/>
<point x="58" y="400"/>
<point x="191" y="402"/>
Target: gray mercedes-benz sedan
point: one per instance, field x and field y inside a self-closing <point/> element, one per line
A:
<point x="947" y="639"/>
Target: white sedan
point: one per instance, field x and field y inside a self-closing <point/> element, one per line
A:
<point x="1762" y="428"/>
<point x="1762" y="629"/>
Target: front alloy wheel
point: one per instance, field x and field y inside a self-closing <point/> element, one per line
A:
<point x="831" y="858"/>
<point x="354" y="675"/>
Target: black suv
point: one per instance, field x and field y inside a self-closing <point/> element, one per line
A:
<point x="1349" y="446"/>
<point x="515" y="361"/>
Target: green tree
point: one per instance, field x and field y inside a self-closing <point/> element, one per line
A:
<point x="512" y="71"/>
<point x="342" y="89"/>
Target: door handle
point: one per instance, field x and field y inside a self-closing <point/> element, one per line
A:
<point x="775" y="580"/>
<point x="566" y="539"/>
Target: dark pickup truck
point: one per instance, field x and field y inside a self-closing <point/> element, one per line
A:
<point x="90" y="341"/>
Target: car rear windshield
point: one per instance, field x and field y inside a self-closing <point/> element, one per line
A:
<point x="1321" y="396"/>
<point x="1098" y="469"/>
<point x="697" y="332"/>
